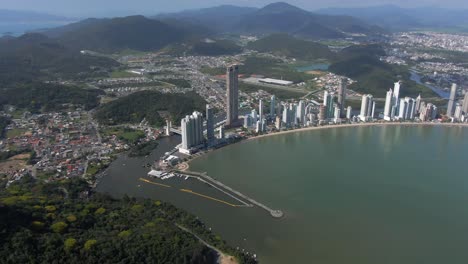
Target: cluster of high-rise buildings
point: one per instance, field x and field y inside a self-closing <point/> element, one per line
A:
<point x="307" y="113"/>
<point x="457" y="111"/>
<point x="193" y="126"/>
<point x="407" y="108"/>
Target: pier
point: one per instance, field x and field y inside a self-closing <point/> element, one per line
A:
<point x="207" y="179"/>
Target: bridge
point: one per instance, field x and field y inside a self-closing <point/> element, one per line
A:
<point x="207" y="179"/>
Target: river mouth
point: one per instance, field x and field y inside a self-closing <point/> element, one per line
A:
<point x="379" y="194"/>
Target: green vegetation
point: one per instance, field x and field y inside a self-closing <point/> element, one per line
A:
<point x="4" y="122"/>
<point x="4" y="155"/>
<point x="102" y="229"/>
<point x="122" y="74"/>
<point x="269" y="67"/>
<point x="143" y="149"/>
<point x="280" y="93"/>
<point x="148" y="105"/>
<point x="181" y="83"/>
<point x="34" y="56"/>
<point x="216" y="48"/>
<point x="15" y="132"/>
<point x="373" y="76"/>
<point x="37" y="97"/>
<point x="129" y="135"/>
<point x="286" y="45"/>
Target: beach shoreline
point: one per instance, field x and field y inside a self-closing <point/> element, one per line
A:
<point x="305" y="129"/>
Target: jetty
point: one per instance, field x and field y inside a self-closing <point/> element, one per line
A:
<point x="218" y="185"/>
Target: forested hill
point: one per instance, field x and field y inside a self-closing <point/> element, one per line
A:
<point x="33" y="56"/>
<point x="289" y="46"/>
<point x="67" y="223"/>
<point x="148" y="104"/>
<point x="362" y="63"/>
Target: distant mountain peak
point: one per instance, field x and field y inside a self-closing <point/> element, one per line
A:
<point x="281" y="7"/>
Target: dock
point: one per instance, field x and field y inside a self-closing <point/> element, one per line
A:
<point x="217" y="184"/>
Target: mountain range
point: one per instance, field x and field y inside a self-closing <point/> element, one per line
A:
<point x="402" y="19"/>
<point x="276" y="18"/>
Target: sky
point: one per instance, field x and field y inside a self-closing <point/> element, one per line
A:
<point x="101" y="8"/>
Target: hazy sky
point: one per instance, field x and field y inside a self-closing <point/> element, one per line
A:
<point x="86" y="8"/>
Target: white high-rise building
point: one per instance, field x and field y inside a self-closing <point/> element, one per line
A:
<point x="337" y="114"/>
<point x="342" y="94"/>
<point x="254" y="115"/>
<point x="349" y="112"/>
<point x="458" y="111"/>
<point x="367" y="105"/>
<point x="396" y="93"/>
<point x="192" y="132"/>
<point x="301" y="112"/>
<point x="210" y="136"/>
<point x="465" y="103"/>
<point x="402" y="109"/>
<point x="451" y="103"/>
<point x="418" y="104"/>
<point x="388" y="105"/>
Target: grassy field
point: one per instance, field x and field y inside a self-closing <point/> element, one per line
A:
<point x="15" y="132"/>
<point x="128" y="135"/>
<point x="122" y="74"/>
<point x="280" y="93"/>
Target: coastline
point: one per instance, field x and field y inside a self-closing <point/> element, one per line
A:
<point x="304" y="129"/>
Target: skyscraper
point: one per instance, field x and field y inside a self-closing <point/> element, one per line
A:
<point x="418" y="104"/>
<point x="192" y="132"/>
<point x="322" y="112"/>
<point x="337" y="114"/>
<point x="396" y="94"/>
<point x="388" y="105"/>
<point x="451" y="103"/>
<point x="301" y="112"/>
<point x="328" y="103"/>
<point x="210" y="136"/>
<point x="232" y="94"/>
<point x="458" y="111"/>
<point x="273" y="106"/>
<point x="465" y="104"/>
<point x="342" y="94"/>
<point x="367" y="107"/>
<point x="260" y="109"/>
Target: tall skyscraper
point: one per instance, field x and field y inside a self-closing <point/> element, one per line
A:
<point x="210" y="136"/>
<point x="418" y="104"/>
<point x="465" y="104"/>
<point x="192" y="132"/>
<point x="396" y="93"/>
<point x="367" y="107"/>
<point x="301" y="112"/>
<point x="328" y="103"/>
<point x="458" y="111"/>
<point x="232" y="94"/>
<point x="451" y="103"/>
<point x="273" y="106"/>
<point x="260" y="109"/>
<point x="388" y="105"/>
<point x="342" y="94"/>
<point x="337" y="114"/>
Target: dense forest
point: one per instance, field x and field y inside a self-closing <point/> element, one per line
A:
<point x="286" y="45"/>
<point x="149" y="105"/>
<point x="37" y="97"/>
<point x="362" y="63"/>
<point x="65" y="222"/>
<point x="34" y="56"/>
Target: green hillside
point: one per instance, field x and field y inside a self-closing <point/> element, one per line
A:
<point x="33" y="56"/>
<point x="37" y="97"/>
<point x="65" y="222"/>
<point x="373" y="76"/>
<point x="286" y="45"/>
<point x="146" y="104"/>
